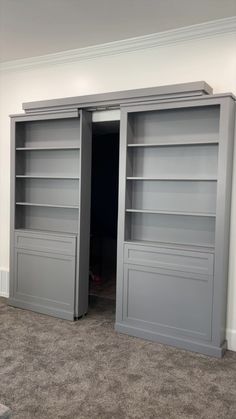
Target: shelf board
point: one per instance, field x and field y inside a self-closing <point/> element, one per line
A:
<point x="31" y="204"/>
<point x="46" y="148"/>
<point x="174" y="178"/>
<point x="175" y="143"/>
<point x="46" y="177"/>
<point x="193" y="214"/>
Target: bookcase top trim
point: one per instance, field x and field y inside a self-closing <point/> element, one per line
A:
<point x="59" y="108"/>
<point x="198" y="88"/>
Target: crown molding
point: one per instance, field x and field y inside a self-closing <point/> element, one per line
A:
<point x="171" y="37"/>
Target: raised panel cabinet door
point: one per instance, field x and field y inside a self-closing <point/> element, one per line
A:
<point x="168" y="302"/>
<point x="45" y="282"/>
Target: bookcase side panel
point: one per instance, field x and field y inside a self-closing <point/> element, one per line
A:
<point x="223" y="209"/>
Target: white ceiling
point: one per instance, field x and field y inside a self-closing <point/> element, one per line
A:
<point x="30" y="28"/>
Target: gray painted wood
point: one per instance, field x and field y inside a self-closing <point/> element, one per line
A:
<point x="171" y="228"/>
<point x="117" y="98"/>
<point x="223" y="209"/>
<point x="198" y="197"/>
<point x="64" y="220"/>
<point x="200" y="263"/>
<point x="171" y="125"/>
<point x="53" y="191"/>
<point x="169" y="302"/>
<point x="187" y="344"/>
<point x="48" y="162"/>
<point x="122" y="226"/>
<point x="169" y="290"/>
<point x="174" y="210"/>
<point x="46" y="242"/>
<point x="179" y="162"/>
<point x="49" y="133"/>
<point x="50" y="201"/>
<point x="46" y="280"/>
<point x="13" y="221"/>
<point x="82" y="268"/>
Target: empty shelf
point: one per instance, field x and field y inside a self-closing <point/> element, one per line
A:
<point x="193" y="214"/>
<point x="181" y="178"/>
<point x="46" y="148"/>
<point x="175" y="143"/>
<point x="46" y="177"/>
<point x="31" y="204"/>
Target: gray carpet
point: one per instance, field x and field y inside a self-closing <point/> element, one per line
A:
<point x="51" y="369"/>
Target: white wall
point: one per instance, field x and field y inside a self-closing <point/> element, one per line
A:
<point x="211" y="59"/>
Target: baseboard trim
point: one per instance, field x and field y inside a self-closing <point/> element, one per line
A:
<point x="4" y="283"/>
<point x="189" y="345"/>
<point x="231" y="338"/>
<point x="37" y="308"/>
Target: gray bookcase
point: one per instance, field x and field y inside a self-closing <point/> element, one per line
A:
<point x="174" y="209"/>
<point x="51" y="161"/>
<point x="176" y="151"/>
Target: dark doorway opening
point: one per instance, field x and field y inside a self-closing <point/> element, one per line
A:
<point x="104" y="211"/>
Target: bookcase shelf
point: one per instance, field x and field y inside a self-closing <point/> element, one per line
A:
<point x="172" y="196"/>
<point x="174" y="178"/>
<point x="171" y="176"/>
<point x="47" y="218"/>
<point x="31" y="204"/>
<point x="180" y="143"/>
<point x="166" y="227"/>
<point x="47" y="177"/>
<point x="45" y="134"/>
<point x="49" y="162"/>
<point x="177" y="162"/>
<point x="180" y="213"/>
<point x="190" y="125"/>
<point x="48" y="191"/>
<point x="47" y="148"/>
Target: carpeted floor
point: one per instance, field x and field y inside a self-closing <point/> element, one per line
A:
<point x="51" y="369"/>
<point x="106" y="289"/>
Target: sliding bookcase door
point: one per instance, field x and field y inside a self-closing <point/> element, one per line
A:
<point x="172" y="157"/>
<point x="50" y="207"/>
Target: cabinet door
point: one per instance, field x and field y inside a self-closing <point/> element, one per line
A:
<point x="178" y="304"/>
<point x="45" y="282"/>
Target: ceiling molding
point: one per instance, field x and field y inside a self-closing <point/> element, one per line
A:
<point x="171" y="37"/>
